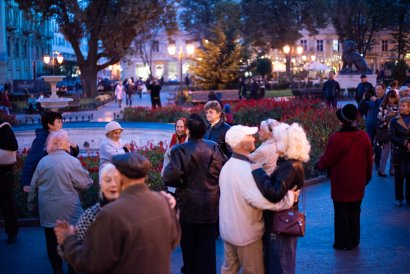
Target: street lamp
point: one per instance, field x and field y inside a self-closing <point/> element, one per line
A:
<point x="189" y="50"/>
<point x="289" y="52"/>
<point x="55" y="57"/>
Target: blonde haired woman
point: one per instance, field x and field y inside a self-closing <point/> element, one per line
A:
<point x="293" y="150"/>
<point x="56" y="183"/>
<point x="266" y="154"/>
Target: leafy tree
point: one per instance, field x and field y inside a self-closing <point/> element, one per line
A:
<point x="199" y="16"/>
<point x="109" y="26"/>
<point x="399" y="71"/>
<point x="271" y="24"/>
<point x="263" y="66"/>
<point x="217" y="61"/>
<point x="401" y="30"/>
<point x="360" y="20"/>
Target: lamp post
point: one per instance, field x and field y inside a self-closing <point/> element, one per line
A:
<point x="289" y="53"/>
<point x="189" y="50"/>
<point x="55" y="57"/>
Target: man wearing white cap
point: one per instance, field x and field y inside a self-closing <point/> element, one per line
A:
<point x="112" y="144"/>
<point x="241" y="205"/>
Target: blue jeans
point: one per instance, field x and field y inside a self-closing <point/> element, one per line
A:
<point x="280" y="254"/>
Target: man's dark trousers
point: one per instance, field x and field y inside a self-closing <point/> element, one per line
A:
<point x="6" y="200"/>
<point x="331" y="101"/>
<point x="198" y="248"/>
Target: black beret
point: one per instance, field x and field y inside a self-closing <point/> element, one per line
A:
<point x="132" y="165"/>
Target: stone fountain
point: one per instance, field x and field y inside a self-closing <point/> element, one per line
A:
<point x="54" y="102"/>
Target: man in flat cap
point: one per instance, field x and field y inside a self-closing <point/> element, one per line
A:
<point x="134" y="234"/>
<point x="194" y="170"/>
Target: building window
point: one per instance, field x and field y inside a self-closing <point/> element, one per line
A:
<point x="319" y="45"/>
<point x="25" y="50"/>
<point x="303" y="43"/>
<point x="385" y="46"/>
<point x="336" y="45"/>
<point x="16" y="49"/>
<point x="155" y="46"/>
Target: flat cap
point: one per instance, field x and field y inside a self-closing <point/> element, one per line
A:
<point x="132" y="165"/>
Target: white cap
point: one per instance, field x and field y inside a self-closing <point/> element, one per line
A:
<point x="236" y="134"/>
<point x="404" y="88"/>
<point x="112" y="126"/>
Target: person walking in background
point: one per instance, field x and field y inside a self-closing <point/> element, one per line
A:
<point x="370" y="106"/>
<point x="387" y="110"/>
<point x="216" y="127"/>
<point x="140" y="86"/>
<point x="194" y="172"/>
<point x="8" y="148"/>
<point x="400" y="158"/>
<point x="293" y="149"/>
<point x="51" y="121"/>
<point x="404" y="91"/>
<point x="155" y="89"/>
<point x="136" y="233"/>
<point x="331" y="90"/>
<point x="179" y="137"/>
<point x="55" y="187"/>
<point x="5" y="102"/>
<point x="213" y="97"/>
<point x="254" y="89"/>
<point x="112" y="144"/>
<point x="262" y="88"/>
<point x="265" y="154"/>
<point x="129" y="91"/>
<point x="394" y="86"/>
<point x="119" y="93"/>
<point x="228" y="115"/>
<point x="363" y="88"/>
<point x="241" y="205"/>
<point x="348" y="159"/>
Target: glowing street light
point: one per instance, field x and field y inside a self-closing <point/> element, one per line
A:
<point x="55" y="57"/>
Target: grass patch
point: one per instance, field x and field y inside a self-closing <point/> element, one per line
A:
<point x="278" y="93"/>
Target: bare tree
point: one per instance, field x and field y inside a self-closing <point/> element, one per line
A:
<point x="109" y="26"/>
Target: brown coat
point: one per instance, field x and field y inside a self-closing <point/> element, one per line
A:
<point x="135" y="234"/>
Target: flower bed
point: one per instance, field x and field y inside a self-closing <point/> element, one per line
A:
<point x="317" y="120"/>
<point x="91" y="163"/>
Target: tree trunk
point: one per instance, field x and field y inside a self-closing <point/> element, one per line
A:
<point x="89" y="80"/>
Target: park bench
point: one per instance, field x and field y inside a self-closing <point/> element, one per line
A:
<point x="308" y="93"/>
<point x="201" y="96"/>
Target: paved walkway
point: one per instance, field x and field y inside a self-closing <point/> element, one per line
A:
<point x="384" y="248"/>
<point x="106" y="113"/>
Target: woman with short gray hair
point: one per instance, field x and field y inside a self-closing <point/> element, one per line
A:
<point x="400" y="155"/>
<point x="56" y="183"/>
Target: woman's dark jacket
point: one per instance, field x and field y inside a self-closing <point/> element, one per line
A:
<point x="399" y="135"/>
<point x="288" y="173"/>
<point x="217" y="134"/>
<point x="194" y="170"/>
<point x="8" y="142"/>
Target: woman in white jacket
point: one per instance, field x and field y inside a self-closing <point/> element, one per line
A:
<point x="266" y="154"/>
<point x="112" y="143"/>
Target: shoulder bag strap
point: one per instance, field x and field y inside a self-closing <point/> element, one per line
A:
<point x="350" y="146"/>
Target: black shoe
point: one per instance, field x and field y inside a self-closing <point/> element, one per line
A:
<point x="341" y="247"/>
<point x="12" y="239"/>
<point x="391" y="173"/>
<point x="381" y="174"/>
